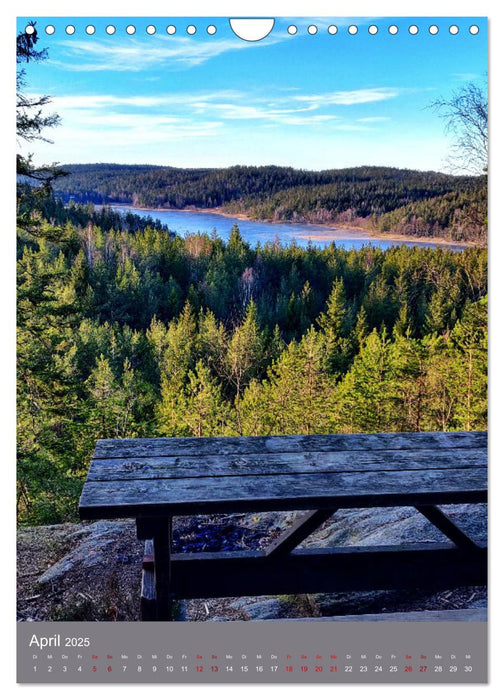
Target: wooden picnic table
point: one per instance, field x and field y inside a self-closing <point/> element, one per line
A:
<point x="153" y="480"/>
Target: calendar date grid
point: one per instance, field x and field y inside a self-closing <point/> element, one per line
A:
<point x="268" y="663"/>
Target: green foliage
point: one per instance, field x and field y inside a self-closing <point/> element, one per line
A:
<point x="119" y="337"/>
<point x="300" y="387"/>
<point x="205" y="412"/>
<point x="367" y="394"/>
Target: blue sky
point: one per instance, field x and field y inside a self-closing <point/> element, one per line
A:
<point x="311" y="101"/>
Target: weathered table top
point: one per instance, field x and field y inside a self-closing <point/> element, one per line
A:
<point x="180" y="476"/>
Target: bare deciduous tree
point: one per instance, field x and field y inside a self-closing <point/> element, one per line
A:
<point x="466" y="118"/>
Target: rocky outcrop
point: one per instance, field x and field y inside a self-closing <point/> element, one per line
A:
<point x="92" y="571"/>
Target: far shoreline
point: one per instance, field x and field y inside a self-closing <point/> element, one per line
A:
<point x="334" y="228"/>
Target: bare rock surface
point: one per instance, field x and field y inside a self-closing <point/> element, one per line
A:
<point x="91" y="571"/>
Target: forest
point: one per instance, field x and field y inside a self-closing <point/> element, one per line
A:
<point x="125" y="330"/>
<point x="402" y="202"/>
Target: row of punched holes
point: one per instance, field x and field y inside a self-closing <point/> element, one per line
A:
<point x="291" y="29"/>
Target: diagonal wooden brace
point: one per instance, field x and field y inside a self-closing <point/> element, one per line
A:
<point x="304" y="526"/>
<point x="447" y="527"/>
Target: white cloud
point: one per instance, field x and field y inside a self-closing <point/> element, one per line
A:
<point x="100" y="120"/>
<point x="239" y="110"/>
<point x="370" y="120"/>
<point x="137" y="56"/>
<point x="195" y="108"/>
<point x="139" y="101"/>
<point x="102" y="132"/>
<point x="350" y="97"/>
<point x="352" y="127"/>
<point x="99" y="101"/>
<point x="144" y="118"/>
<point x="312" y="119"/>
<point x="468" y="77"/>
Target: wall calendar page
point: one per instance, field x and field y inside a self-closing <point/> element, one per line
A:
<point x="252" y="349"/>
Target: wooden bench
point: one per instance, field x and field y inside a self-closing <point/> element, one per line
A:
<point x="153" y="480"/>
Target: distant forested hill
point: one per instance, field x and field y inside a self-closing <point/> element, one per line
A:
<point x="405" y="202"/>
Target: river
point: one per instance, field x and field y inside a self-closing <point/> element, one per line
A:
<point x="188" y="221"/>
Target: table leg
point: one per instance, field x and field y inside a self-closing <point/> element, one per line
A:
<point x="162" y="538"/>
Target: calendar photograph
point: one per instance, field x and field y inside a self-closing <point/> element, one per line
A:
<point x="252" y="349"/>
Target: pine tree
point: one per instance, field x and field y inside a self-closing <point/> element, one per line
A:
<point x="334" y="324"/>
<point x="367" y="394"/>
<point x="206" y="413"/>
<point x="402" y="326"/>
<point x="438" y="312"/>
<point x="237" y="252"/>
<point x="180" y="344"/>
<point x="360" y="330"/>
<point x="30" y="119"/>
<point x="176" y="349"/>
<point x="331" y="321"/>
<point x="103" y="389"/>
<point x="170" y="411"/>
<point x="157" y="335"/>
<point x="128" y="305"/>
<point x="213" y="342"/>
<point x="129" y="395"/>
<point x="245" y="356"/>
<point x="173" y="296"/>
<point x="218" y="288"/>
<point x="306" y="307"/>
<point x="441" y="383"/>
<point x="469" y="339"/>
<point x="257" y="409"/>
<point x="276" y="344"/>
<point x="409" y="360"/>
<point x="300" y="387"/>
<point x="379" y="304"/>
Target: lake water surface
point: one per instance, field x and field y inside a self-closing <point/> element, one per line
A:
<point x="187" y="221"/>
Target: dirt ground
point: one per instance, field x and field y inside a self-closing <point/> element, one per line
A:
<point x="104" y="592"/>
